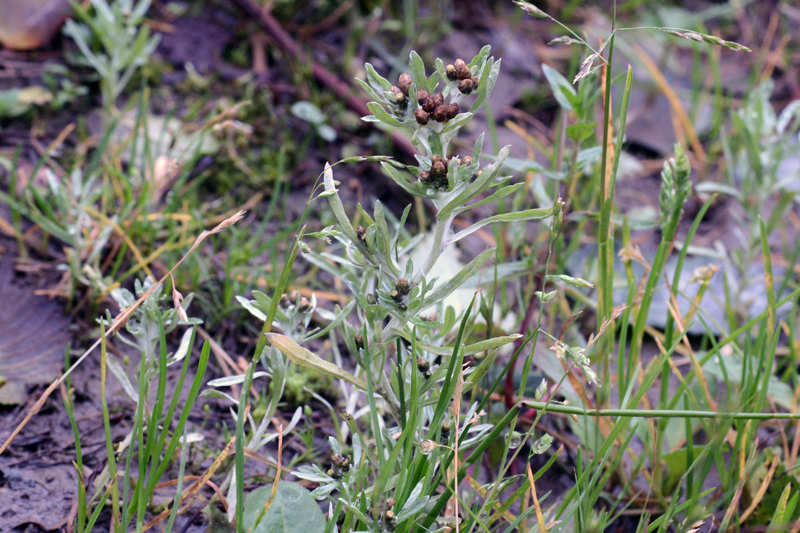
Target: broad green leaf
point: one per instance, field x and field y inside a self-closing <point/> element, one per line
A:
<point x="481" y="370"/>
<point x="581" y="132"/>
<point x="293" y="510"/>
<point x="302" y="357"/>
<point x="563" y="91"/>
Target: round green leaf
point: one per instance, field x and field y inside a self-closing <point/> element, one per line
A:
<point x="292" y="511"/>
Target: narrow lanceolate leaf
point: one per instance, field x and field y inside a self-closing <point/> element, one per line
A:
<point x="502" y="193"/>
<point x="486" y="84"/>
<point x="563" y="91"/>
<point x="337" y="206"/>
<point x="478" y="186"/>
<point x="302" y="357"/>
<point x="456" y="281"/>
<point x="382" y="115"/>
<point x="400" y="179"/>
<point x="234" y="380"/>
<point x="529" y="214"/>
<point x="370" y="91"/>
<point x="470" y="349"/>
<point x="460" y="120"/>
<point x="378" y="82"/>
<point x="482" y="369"/>
<point x="417" y="68"/>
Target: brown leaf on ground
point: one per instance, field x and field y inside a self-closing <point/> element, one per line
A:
<point x="33" y="335"/>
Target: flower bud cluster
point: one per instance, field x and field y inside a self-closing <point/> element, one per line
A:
<point x="437" y="175"/>
<point x="400" y="91"/>
<point x="340" y="465"/>
<point x="444" y="436"/>
<point x="432" y="107"/>
<point x="424" y="367"/>
<point x="389" y="518"/>
<point x="385" y="518"/>
<point x="294" y="300"/>
<point x="400" y="292"/>
<point x="460" y="71"/>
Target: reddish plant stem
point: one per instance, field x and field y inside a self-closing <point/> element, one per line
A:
<point x="286" y="44"/>
<point x="523" y="328"/>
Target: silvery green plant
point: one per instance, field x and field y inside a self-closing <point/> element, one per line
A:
<point x="293" y="316"/>
<point x="113" y="41"/>
<point x="145" y="329"/>
<point x="761" y="151"/>
<point x="393" y="293"/>
<point x="65" y="210"/>
<point x="400" y="303"/>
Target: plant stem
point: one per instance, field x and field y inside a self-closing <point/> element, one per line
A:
<point x="658" y="413"/>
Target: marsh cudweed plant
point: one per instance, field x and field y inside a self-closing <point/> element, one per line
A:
<point x="114" y="41"/>
<point x="408" y="346"/>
